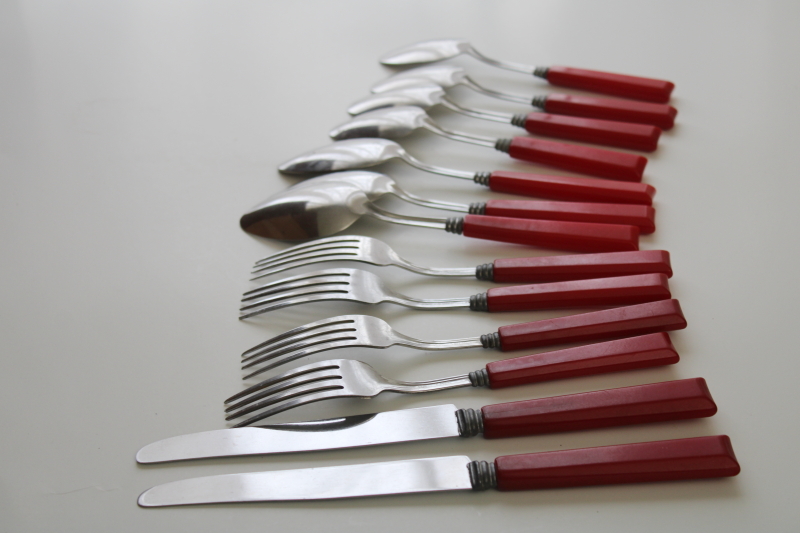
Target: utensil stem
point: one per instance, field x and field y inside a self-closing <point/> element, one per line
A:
<point x="458" y="136"/>
<point x="516" y="67"/>
<point x="406" y="220"/>
<point x="469" y="82"/>
<point x="416" y="163"/>
<point x="505" y="118"/>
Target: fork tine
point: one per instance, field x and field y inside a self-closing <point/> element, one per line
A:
<point x="304" y="280"/>
<point x="334" y="337"/>
<point x="297" y="333"/>
<point x="272" y="304"/>
<point x="291" y="356"/>
<point x="305" y="247"/>
<point x="297" y="402"/>
<point x="300" y="370"/>
<point x="301" y="386"/>
<point x="309" y="259"/>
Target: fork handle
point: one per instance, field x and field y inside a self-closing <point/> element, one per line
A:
<point x="554" y="234"/>
<point x="623" y="290"/>
<point x="568" y="188"/>
<point x="635" y="87"/>
<point x="643" y="137"/>
<point x="654" y="349"/>
<point x="666" y="460"/>
<point x="567" y="267"/>
<point x="653" y="317"/>
<point x="642" y="404"/>
<point x="641" y="216"/>
<point x="581" y="159"/>
<point x="661" y="115"/>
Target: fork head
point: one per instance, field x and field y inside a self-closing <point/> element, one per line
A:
<point x="332" y="284"/>
<point x="337" y="248"/>
<point x="337" y="378"/>
<point x="322" y="335"/>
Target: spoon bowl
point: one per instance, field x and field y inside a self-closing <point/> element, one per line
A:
<point x="426" y="52"/>
<point x="442" y="75"/>
<point x="349" y="154"/>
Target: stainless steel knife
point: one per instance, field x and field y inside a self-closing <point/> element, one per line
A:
<point x="703" y="457"/>
<point x="672" y="400"/>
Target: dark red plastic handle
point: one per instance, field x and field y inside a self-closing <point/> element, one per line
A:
<point x="580" y="159"/>
<point x="642" y="404"/>
<point x="666" y="460"/>
<point x="653" y="317"/>
<point x="571" y="188"/>
<point x="642" y="216"/>
<point x="619" y="355"/>
<point x="566" y="267"/>
<point x="624" y="290"/>
<point x="647" y="89"/>
<point x="661" y="115"/>
<point x="557" y="235"/>
<point x="643" y="137"/>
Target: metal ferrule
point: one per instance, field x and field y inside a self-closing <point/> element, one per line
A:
<point x="491" y="340"/>
<point x="539" y="101"/>
<point x="503" y="145"/>
<point x="479" y="378"/>
<point x="485" y="272"/>
<point x="541" y="72"/>
<point x="470" y="422"/>
<point x="482" y="178"/>
<point x="477" y="208"/>
<point x="519" y="120"/>
<point x="482" y="475"/>
<point x="454" y="225"/>
<point x="479" y="302"/>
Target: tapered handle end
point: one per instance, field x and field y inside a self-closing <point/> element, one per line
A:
<point x="648" y="89"/>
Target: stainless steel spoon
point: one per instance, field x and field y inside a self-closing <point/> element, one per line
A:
<point x="318" y="208"/>
<point x="448" y="76"/>
<point x="395" y="122"/>
<point x="648" y="89"/>
<point x="642" y="137"/>
<point x="360" y="153"/>
<point x="377" y="185"/>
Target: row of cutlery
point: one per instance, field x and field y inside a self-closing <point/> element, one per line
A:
<point x="600" y="216"/>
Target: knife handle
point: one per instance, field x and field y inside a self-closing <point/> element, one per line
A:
<point x="653" y="317"/>
<point x="568" y="188"/>
<point x="666" y="460"/>
<point x="575" y="158"/>
<point x="643" y="137"/>
<point x="657" y="402"/>
<point x="624" y="290"/>
<point x="553" y="234"/>
<point x="661" y="115"/>
<point x="567" y="267"/>
<point x="641" y="216"/>
<point x="635" y="87"/>
<point x="654" y="349"/>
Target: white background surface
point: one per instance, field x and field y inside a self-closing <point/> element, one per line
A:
<point x="134" y="134"/>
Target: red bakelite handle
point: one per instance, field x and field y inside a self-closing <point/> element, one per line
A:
<point x="642" y="137"/>
<point x="666" y="460"/>
<point x="625" y="290"/>
<point x="653" y="317"/>
<point x="642" y="404"/>
<point x="661" y="115"/>
<point x="566" y="267"/>
<point x="572" y="236"/>
<point x="580" y="159"/>
<point x="571" y="188"/>
<point x="642" y="216"/>
<point x="632" y="353"/>
<point x="647" y="89"/>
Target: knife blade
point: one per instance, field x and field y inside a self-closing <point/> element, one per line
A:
<point x="702" y="457"/>
<point x="672" y="400"/>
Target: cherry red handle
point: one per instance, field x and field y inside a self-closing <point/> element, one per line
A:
<point x="648" y="89"/>
<point x="632" y="353"/>
<point x="624" y="290"/>
<point x="571" y="188"/>
<point x="642" y="404"/>
<point x="572" y="236"/>
<point x="566" y="267"/>
<point x="642" y="216"/>
<point x="653" y="317"/>
<point x="628" y="135"/>
<point x="580" y="159"/>
<point x="661" y="115"/>
<point x="666" y="460"/>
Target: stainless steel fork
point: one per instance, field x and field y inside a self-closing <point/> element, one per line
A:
<point x="366" y="331"/>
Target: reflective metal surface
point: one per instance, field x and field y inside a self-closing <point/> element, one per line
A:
<point x="443" y="75"/>
<point x="426" y="52"/>
<point x="423" y="94"/>
<point x="391" y="123"/>
<point x="364" y="430"/>
<point x="376" y="479"/>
